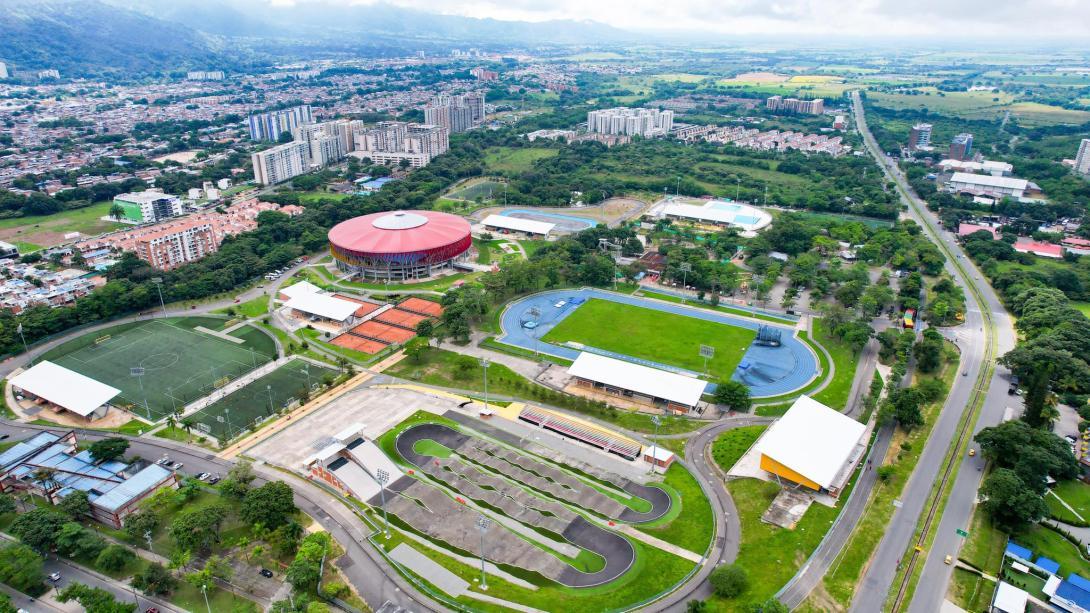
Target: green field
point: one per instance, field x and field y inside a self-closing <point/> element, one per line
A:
<point x="979" y="105"/>
<point x="485" y="190"/>
<point x="180" y="363"/>
<point x="260" y="398"/>
<point x="36" y="231"/>
<point x="515" y="160"/>
<point x="1077" y="496"/>
<point x="653" y="335"/>
<point x="730" y="446"/>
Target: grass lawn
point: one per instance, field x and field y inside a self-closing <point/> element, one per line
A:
<point x="1083" y="307"/>
<point x="1043" y="541"/>
<point x="175" y="433"/>
<point x="49" y="230"/>
<point x="255" y="307"/>
<point x="845" y="361"/>
<point x="983" y="549"/>
<point x="654" y="335"/>
<point x="190" y="598"/>
<point x="1077" y="495"/>
<point x="689" y="523"/>
<point x="771" y="555"/>
<point x="970" y="591"/>
<point x="730" y="446"/>
<point x="515" y="159"/>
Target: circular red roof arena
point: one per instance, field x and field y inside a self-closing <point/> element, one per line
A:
<point x="401" y="233"/>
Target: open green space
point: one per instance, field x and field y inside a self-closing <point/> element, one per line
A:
<point x="180" y="363"/>
<point x="983" y="548"/>
<point x="979" y="105"/>
<point x="48" y="230"/>
<point x="1044" y="541"/>
<point x="689" y="523"/>
<point x="261" y="398"/>
<point x="515" y="159"/>
<point x="845" y="362"/>
<point x="485" y="190"/>
<point x="654" y="335"/>
<point x="970" y="591"/>
<point x="1077" y="496"/>
<point x="254" y="307"/>
<point x="769" y="554"/>
<point x="730" y="446"/>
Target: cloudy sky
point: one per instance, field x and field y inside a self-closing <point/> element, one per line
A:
<point x="1016" y="19"/>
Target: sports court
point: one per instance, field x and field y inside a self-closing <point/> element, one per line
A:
<point x="166" y="361"/>
<point x="401" y="319"/>
<point x="358" y="343"/>
<point x="421" y="306"/>
<point x="486" y="190"/>
<point x="233" y="414"/>
<point x="365" y="307"/>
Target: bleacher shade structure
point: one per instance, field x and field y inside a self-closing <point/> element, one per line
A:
<point x="570" y="428"/>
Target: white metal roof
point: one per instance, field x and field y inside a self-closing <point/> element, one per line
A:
<point x="1010" y="599"/>
<point x="640" y="379"/>
<point x="323" y="306"/>
<point x="989" y="181"/>
<point x="299" y="289"/>
<point x="812" y="440"/>
<point x="519" y="225"/>
<point x="659" y="453"/>
<point x="65" y="388"/>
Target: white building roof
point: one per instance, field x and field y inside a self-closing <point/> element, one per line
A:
<point x="986" y="165"/>
<point x="65" y="388"/>
<point x="658" y="453"/>
<point x="812" y="440"/>
<point x="989" y="181"/>
<point x="518" y="225"/>
<point x="323" y="306"/>
<point x="1010" y="599"/>
<point x="145" y="197"/>
<point x="640" y="379"/>
<point x="299" y="289"/>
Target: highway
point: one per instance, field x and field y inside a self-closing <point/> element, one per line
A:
<point x="985" y="335"/>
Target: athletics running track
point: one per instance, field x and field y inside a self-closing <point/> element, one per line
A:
<point x="772" y="370"/>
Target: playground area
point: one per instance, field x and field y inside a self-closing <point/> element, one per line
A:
<point x="661" y="335"/>
<point x="231" y="415"/>
<point x="160" y="365"/>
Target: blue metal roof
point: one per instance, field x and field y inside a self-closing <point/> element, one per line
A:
<point x="17" y="452"/>
<point x="1079" y="581"/>
<point x="132" y="488"/>
<point x="1048" y="565"/>
<point x="1014" y="549"/>
<point x="379" y="182"/>
<point x="1073" y="593"/>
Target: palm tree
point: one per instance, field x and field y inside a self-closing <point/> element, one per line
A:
<point x="117" y="211"/>
<point x="46" y="477"/>
<point x="188" y="424"/>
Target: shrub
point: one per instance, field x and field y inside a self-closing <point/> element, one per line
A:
<point x="729" y="581"/>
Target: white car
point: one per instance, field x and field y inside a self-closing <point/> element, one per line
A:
<point x="55" y="577"/>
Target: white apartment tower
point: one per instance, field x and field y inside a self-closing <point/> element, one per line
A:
<point x="389" y="142"/>
<point x="281" y="162"/>
<point x="631" y="122"/>
<point x="1082" y="158"/>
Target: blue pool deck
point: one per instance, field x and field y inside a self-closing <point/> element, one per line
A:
<point x="767" y="371"/>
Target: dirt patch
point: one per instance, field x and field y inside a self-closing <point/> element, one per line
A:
<point x="821" y="600"/>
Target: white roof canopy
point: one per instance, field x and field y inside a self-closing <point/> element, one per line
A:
<point x="299" y="289"/>
<point x="323" y="306"/>
<point x="1010" y="599"/>
<point x="65" y="388"/>
<point x="989" y="181"/>
<point x="640" y="379"/>
<point x="519" y="225"/>
<point x="812" y="440"/>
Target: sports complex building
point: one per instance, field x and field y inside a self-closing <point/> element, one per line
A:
<point x="746" y="218"/>
<point x="400" y="245"/>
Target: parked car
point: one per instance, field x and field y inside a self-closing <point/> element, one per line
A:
<point x="214" y="480"/>
<point x="164" y="462"/>
<point x="203" y="476"/>
<point x="55" y="577"/>
<point x="266" y="573"/>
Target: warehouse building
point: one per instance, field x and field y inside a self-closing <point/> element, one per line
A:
<point x="507" y="225"/>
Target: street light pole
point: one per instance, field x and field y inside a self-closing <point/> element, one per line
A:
<point x="268" y="388"/>
<point x="158" y="281"/>
<point x="204" y="590"/>
<point x="20" y="329"/>
<point x="383" y="477"/>
<point x="654" y="442"/>
<point x="484" y="366"/>
<point x="482" y="525"/>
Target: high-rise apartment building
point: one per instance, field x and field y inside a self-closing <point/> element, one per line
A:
<point x="483" y="74"/>
<point x="324" y="143"/>
<point x="1082" y="158"/>
<point x="3" y="71"/>
<point x="49" y="73"/>
<point x="205" y="75"/>
<point x="170" y="248"/>
<point x="268" y="126"/>
<point x="281" y="162"/>
<point x="456" y="113"/>
<point x="630" y="122"/>
<point x="919" y="137"/>
<point x="390" y="142"/>
<point x="779" y="104"/>
<point x="961" y="147"/>
<point x="148" y="206"/>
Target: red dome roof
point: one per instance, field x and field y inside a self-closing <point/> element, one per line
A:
<point x="399" y="232"/>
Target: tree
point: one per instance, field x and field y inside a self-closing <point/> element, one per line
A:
<point x="928" y="352"/>
<point x="770" y="606"/>
<point x="426" y="329"/>
<point x="238" y="480"/>
<point x="116" y="211"/>
<point x="903" y="404"/>
<point x="114" y="557"/>
<point x="733" y="395"/>
<point x="75" y="505"/>
<point x="729" y="581"/>
<point x="1009" y="502"/>
<point x="198" y="529"/>
<point x="108" y="449"/>
<point x="415" y="348"/>
<point x="20" y="567"/>
<point x="7" y="504"/>
<point x="154" y="580"/>
<point x="138" y="524"/>
<point x="696" y="606"/>
<point x="271" y="504"/>
<point x="94" y="600"/>
<point x="38" y="528"/>
<point x="75" y="541"/>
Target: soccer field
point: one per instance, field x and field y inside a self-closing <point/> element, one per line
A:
<point x="658" y="336"/>
<point x="231" y="415"/>
<point x="180" y="364"/>
<point x="487" y="190"/>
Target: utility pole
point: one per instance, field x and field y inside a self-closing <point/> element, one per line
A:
<point x="737" y="188"/>
<point x="482" y="525"/>
<point x="654" y="442"/>
<point x="158" y="281"/>
<point x="268" y="388"/>
<point x="677" y="190"/>
<point x="383" y="477"/>
<point x="484" y="366"/>
<point x="138" y="372"/>
<point x="204" y="590"/>
<point x="20" y="330"/>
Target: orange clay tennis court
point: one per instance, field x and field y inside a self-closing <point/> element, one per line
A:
<point x="357" y="343"/>
<point x="424" y="307"/>
<point x="365" y="307"/>
<point x="400" y="318"/>
<point x="382" y="332"/>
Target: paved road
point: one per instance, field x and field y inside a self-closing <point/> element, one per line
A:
<point x="368" y="572"/>
<point x="972" y="339"/>
<point x="727" y="527"/>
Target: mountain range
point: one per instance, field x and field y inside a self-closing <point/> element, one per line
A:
<point x="147" y="36"/>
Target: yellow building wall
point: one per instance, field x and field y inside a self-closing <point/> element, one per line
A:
<point x="776" y="468"/>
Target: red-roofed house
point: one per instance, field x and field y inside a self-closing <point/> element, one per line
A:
<point x="1044" y="250"/>
<point x="965" y="229"/>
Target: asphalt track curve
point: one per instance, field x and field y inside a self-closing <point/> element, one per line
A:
<point x="618" y="553"/>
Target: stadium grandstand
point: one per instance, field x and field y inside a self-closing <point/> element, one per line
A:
<point x="582" y="431"/>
